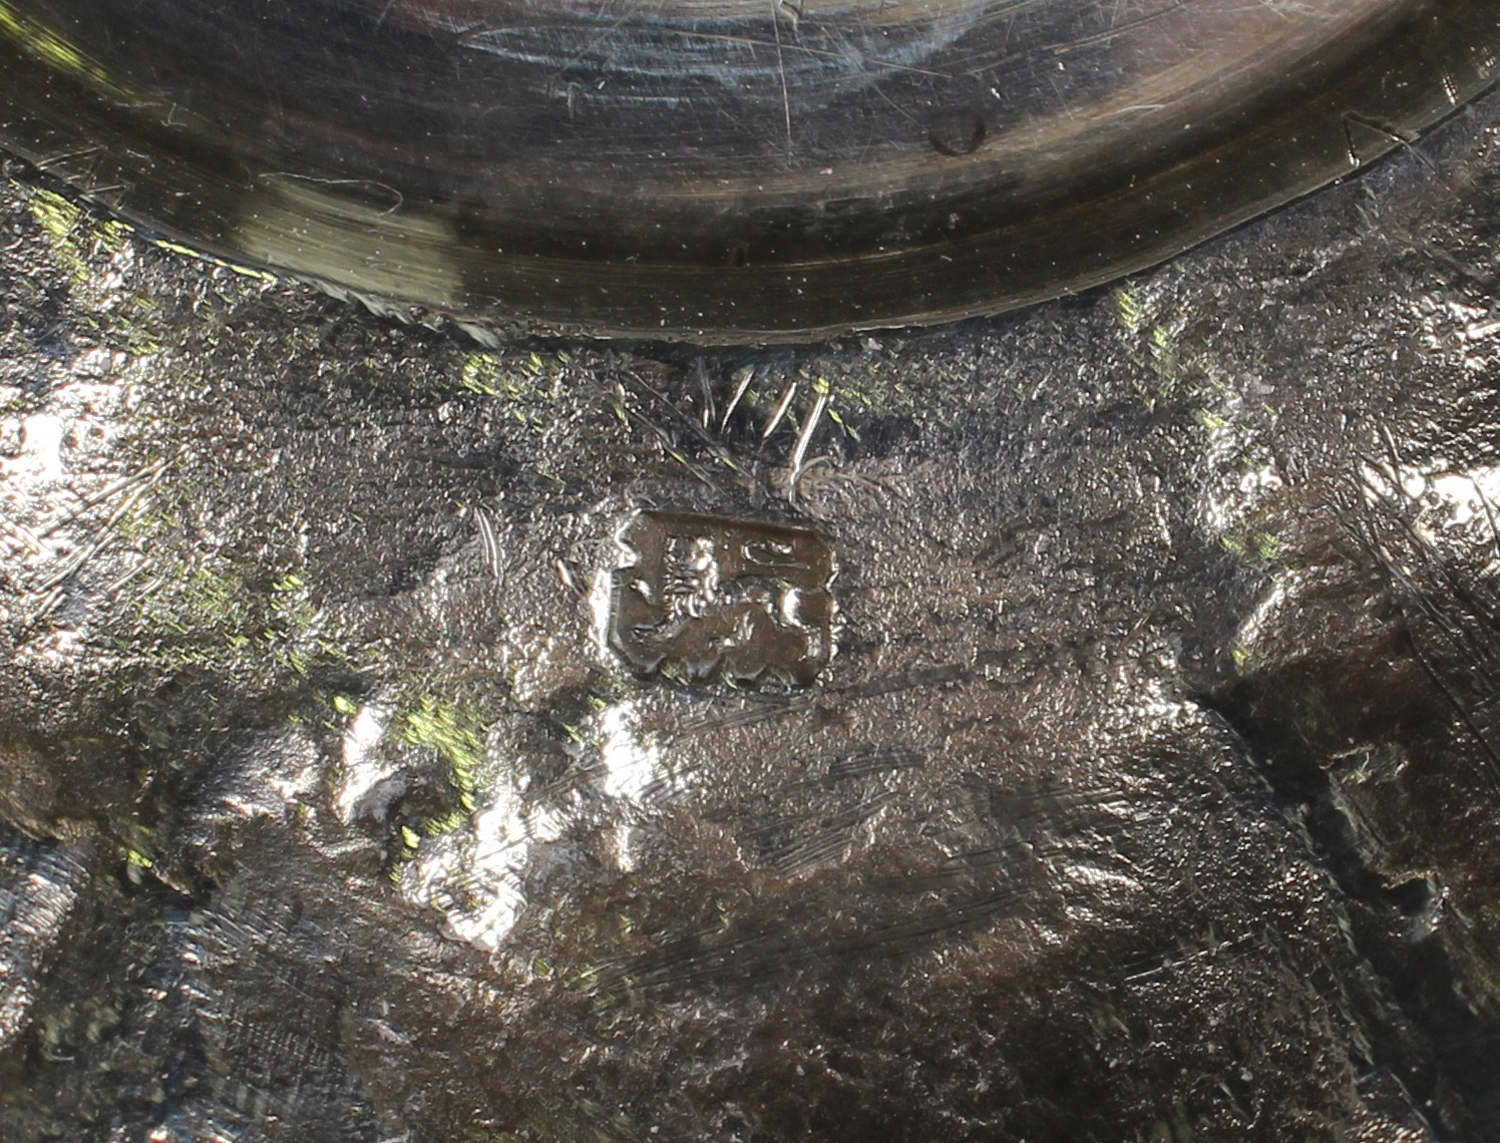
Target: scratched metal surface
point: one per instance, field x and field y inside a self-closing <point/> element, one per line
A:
<point x="726" y="170"/>
<point x="1149" y="794"/>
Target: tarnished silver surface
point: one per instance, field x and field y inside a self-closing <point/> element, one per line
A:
<point x="1150" y="793"/>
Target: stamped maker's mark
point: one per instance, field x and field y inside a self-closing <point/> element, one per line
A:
<point x="711" y="596"/>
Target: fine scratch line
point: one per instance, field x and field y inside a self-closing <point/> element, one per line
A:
<point x="786" y="99"/>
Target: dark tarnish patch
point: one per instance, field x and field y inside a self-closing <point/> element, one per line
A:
<point x="712" y="596"/>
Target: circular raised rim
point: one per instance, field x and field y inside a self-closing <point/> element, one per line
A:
<point x="62" y="112"/>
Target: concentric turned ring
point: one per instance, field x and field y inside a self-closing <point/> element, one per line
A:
<point x="719" y="170"/>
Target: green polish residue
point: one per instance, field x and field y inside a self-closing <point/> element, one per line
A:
<point x="457" y="736"/>
<point x="77" y="240"/>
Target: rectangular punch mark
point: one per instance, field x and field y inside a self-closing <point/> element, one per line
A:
<point x="713" y="597"/>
